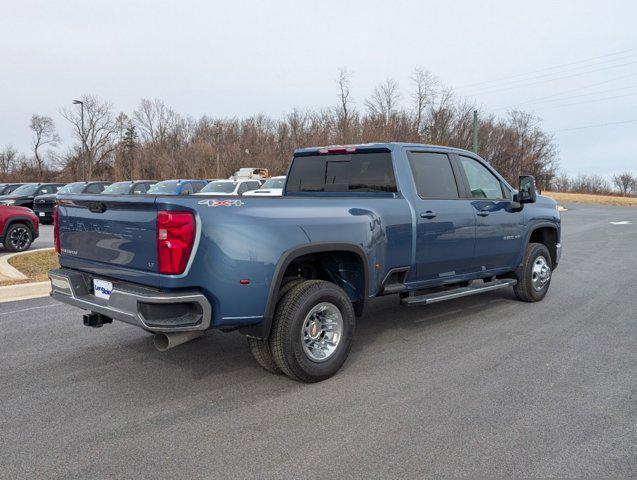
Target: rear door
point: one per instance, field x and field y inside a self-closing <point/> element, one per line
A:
<point x="445" y="221"/>
<point x="118" y="231"/>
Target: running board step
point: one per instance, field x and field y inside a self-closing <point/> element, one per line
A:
<point x="414" y="300"/>
<point x="394" y="288"/>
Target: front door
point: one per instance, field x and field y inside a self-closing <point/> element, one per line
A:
<point x="445" y="222"/>
<point x="499" y="226"/>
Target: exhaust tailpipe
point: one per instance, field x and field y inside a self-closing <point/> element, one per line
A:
<point x="166" y="341"/>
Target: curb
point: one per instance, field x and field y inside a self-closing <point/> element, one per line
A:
<point x="11" y="273"/>
<point x="24" y="291"/>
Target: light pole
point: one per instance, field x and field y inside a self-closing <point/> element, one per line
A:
<point x="81" y="104"/>
<point x="475" y="132"/>
<point x="218" y="156"/>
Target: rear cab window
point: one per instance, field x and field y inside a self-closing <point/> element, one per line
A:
<point x="363" y="170"/>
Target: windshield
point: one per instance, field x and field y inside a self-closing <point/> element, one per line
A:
<point x="76" y="187"/>
<point x="118" y="188"/>
<point x="167" y="186"/>
<point x="274" y="183"/>
<point x="219" y="187"/>
<point x="28" y="189"/>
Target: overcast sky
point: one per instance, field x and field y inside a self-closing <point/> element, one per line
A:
<point x="236" y="58"/>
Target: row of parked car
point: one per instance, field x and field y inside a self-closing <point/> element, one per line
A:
<point x="41" y="197"/>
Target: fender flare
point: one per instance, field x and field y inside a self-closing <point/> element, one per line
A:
<point x="262" y="330"/>
<point x="535" y="226"/>
<point x="19" y="219"/>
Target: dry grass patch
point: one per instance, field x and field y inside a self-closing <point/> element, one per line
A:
<point x="589" y="198"/>
<point x="35" y="265"/>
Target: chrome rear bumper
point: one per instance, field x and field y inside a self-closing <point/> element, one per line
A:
<point x="134" y="304"/>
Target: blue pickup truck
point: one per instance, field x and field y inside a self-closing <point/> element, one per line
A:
<point x="292" y="273"/>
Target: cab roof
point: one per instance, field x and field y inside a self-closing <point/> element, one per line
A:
<point x="388" y="146"/>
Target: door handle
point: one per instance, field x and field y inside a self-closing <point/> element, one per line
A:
<point x="483" y="213"/>
<point x="428" y="214"/>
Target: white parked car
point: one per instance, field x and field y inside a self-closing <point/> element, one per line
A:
<point x="250" y="173"/>
<point x="272" y="187"/>
<point x="229" y="187"/>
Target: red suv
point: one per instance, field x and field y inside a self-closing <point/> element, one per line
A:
<point x="18" y="228"/>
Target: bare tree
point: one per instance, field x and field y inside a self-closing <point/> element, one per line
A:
<point x="9" y="159"/>
<point x="43" y="134"/>
<point x="155" y="120"/>
<point x="156" y="142"/>
<point x="344" y="111"/>
<point x="595" y="184"/>
<point x="561" y="182"/>
<point x="96" y="136"/>
<point x="425" y="90"/>
<point x="384" y="100"/>
<point x="625" y="182"/>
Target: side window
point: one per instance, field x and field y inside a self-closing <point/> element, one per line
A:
<point x="45" y="190"/>
<point x="253" y="185"/>
<point x="93" y="188"/>
<point x="482" y="183"/>
<point x="198" y="186"/>
<point x="433" y="175"/>
<point x="140" y="188"/>
<point x="243" y="188"/>
<point x="186" y="189"/>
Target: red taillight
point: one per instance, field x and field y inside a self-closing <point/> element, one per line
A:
<point x="175" y="237"/>
<point x="56" y="229"/>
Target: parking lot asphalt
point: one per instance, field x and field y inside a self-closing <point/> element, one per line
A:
<point x="480" y="386"/>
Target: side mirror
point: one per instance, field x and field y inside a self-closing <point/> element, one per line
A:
<point x="526" y="192"/>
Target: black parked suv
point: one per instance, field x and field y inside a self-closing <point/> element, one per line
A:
<point x="23" y="196"/>
<point x="131" y="187"/>
<point x="7" y="188"/>
<point x="43" y="205"/>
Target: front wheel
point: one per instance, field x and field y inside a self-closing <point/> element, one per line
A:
<point x="312" y="331"/>
<point x="18" y="238"/>
<point x="534" y="275"/>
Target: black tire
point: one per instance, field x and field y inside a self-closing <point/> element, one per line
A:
<point x="526" y="289"/>
<point x="18" y="238"/>
<point x="286" y="341"/>
<point x="289" y="286"/>
<point x="260" y="350"/>
<point x="260" y="347"/>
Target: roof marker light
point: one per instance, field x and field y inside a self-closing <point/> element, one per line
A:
<point x="336" y="150"/>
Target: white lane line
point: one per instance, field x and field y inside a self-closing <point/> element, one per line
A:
<point x="27" y="309"/>
<point x="623" y="222"/>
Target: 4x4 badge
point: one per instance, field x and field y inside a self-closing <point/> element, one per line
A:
<point x="221" y="203"/>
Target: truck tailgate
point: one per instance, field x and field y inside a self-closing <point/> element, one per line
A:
<point x="119" y="231"/>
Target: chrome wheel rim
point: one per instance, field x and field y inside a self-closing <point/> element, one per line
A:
<point x="541" y="273"/>
<point x="322" y="331"/>
<point x="19" y="238"/>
